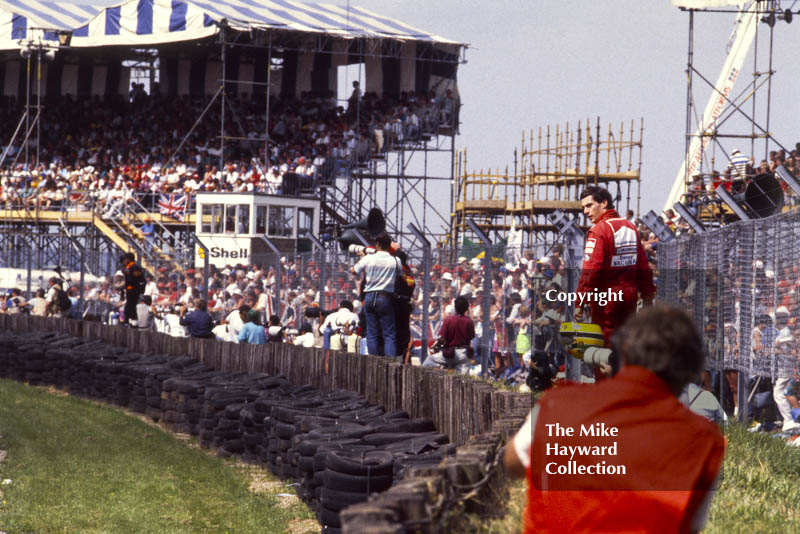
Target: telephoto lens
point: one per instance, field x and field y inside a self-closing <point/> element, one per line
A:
<point x="597" y="356"/>
<point x="360" y="249"/>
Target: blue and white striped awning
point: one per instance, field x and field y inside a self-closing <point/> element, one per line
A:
<point x="150" y="22"/>
<point x="30" y="20"/>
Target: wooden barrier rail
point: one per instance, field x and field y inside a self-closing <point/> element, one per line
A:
<point x="459" y="406"/>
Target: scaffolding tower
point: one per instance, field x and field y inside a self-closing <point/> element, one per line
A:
<point x="731" y="119"/>
<point x="548" y="173"/>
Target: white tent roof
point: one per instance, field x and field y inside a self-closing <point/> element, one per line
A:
<point x="152" y="22"/>
<point x="31" y="20"/>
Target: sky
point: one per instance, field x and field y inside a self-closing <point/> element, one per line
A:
<point x="548" y="62"/>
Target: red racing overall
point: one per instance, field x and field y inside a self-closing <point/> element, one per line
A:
<point x="614" y="259"/>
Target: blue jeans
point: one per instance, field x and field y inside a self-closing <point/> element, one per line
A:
<point x="379" y="311"/>
<point x="326" y="338"/>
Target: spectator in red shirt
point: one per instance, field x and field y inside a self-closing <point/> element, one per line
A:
<point x="454" y="339"/>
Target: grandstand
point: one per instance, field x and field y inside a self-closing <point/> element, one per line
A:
<point x="240" y="98"/>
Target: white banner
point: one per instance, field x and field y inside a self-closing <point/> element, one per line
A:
<point x="745" y="32"/>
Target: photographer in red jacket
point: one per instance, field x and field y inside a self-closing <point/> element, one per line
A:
<point x="614" y="263"/>
<point x="623" y="455"/>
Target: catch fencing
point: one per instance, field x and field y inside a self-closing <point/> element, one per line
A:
<point x="740" y="284"/>
<point x="507" y="305"/>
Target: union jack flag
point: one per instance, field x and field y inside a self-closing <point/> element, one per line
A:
<point x="173" y="206"/>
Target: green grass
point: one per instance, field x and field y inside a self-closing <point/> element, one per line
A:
<point x="759" y="491"/>
<point x="77" y="466"/>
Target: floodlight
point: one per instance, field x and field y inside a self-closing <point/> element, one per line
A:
<point x="64" y="38"/>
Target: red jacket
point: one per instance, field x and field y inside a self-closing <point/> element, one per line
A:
<point x="671" y="458"/>
<point x="614" y="259"/>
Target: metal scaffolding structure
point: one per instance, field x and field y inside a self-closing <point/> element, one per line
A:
<point x="385" y="180"/>
<point x="548" y="173"/>
<point x="395" y="179"/>
<point x="731" y="120"/>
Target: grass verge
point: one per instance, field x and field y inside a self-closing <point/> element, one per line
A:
<point x="78" y="466"/>
<point x="759" y="491"/>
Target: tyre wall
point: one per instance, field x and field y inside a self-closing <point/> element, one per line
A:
<point x="361" y="466"/>
<point x="459" y="406"/>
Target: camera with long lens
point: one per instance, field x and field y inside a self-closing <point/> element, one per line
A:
<point x="367" y="228"/>
<point x="315" y="312"/>
<point x="360" y="249"/>
<point x="585" y="342"/>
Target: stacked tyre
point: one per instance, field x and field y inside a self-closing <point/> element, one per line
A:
<point x="349" y="478"/>
<point x="182" y="402"/>
<point x="336" y="444"/>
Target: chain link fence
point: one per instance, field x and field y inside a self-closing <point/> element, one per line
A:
<point x="512" y="318"/>
<point x="740" y="283"/>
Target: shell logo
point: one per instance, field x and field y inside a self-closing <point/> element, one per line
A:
<point x="202" y="253"/>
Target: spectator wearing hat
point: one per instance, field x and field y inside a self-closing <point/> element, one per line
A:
<point x="447" y="280"/>
<point x="14" y="302"/>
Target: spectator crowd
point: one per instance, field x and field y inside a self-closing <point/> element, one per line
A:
<point x="316" y="295"/>
<point x="102" y="150"/>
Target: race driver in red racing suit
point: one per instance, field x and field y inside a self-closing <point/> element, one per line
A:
<point x="614" y="259"/>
